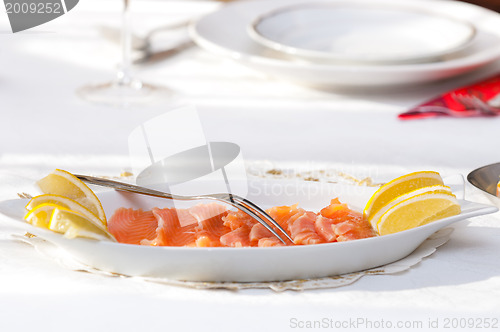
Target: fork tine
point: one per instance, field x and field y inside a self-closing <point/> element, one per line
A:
<point x="471" y="102"/>
<point x="263" y="213"/>
<point x="239" y="205"/>
<point x="464" y="101"/>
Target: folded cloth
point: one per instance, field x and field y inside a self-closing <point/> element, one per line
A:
<point x="478" y="99"/>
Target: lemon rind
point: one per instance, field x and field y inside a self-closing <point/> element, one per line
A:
<point x="374" y="218"/>
<point x="368" y="211"/>
<point x="83" y="187"/>
<point x="450" y="198"/>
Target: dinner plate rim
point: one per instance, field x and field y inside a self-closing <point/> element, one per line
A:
<point x="258" y="36"/>
<point x="207" y="33"/>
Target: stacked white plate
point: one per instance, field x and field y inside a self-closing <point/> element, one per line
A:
<point x="355" y="42"/>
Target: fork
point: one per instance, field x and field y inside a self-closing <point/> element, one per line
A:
<point x="434" y="111"/>
<point x="472" y="107"/>
<point x="236" y="201"/>
<point x="142" y="45"/>
<point x="150" y="57"/>
<point x="139" y="43"/>
<point x="471" y="102"/>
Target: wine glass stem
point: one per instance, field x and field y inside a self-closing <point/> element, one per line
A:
<point x="124" y="73"/>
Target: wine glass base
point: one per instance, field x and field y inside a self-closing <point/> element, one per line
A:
<point x="125" y="94"/>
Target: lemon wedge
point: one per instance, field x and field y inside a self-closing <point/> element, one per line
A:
<point x="73" y="224"/>
<point x="375" y="217"/>
<point x="61" y="201"/>
<point x="63" y="183"/>
<point x="40" y="215"/>
<point x="416" y="211"/>
<point x="398" y="187"/>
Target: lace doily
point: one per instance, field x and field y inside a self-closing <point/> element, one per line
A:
<point x="426" y="249"/>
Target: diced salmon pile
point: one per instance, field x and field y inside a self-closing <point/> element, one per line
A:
<point x="212" y="225"/>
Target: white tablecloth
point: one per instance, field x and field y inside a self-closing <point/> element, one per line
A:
<point x="46" y="126"/>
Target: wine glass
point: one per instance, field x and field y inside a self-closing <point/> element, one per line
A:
<point x="125" y="89"/>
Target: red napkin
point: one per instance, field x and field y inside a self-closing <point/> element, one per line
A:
<point x="448" y="104"/>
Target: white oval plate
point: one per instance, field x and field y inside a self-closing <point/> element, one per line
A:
<point x="224" y="32"/>
<point x="373" y="33"/>
<point x="245" y="264"/>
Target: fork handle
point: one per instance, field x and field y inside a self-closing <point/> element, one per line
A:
<point x="131" y="188"/>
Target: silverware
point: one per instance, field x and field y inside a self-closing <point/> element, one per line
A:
<point x="471" y="106"/>
<point x="481" y="98"/>
<point x="486" y="178"/>
<point x="139" y="43"/>
<point x="422" y="112"/>
<point x="152" y="56"/>
<point x="471" y="102"/>
<point x="238" y="202"/>
<point x="142" y="46"/>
